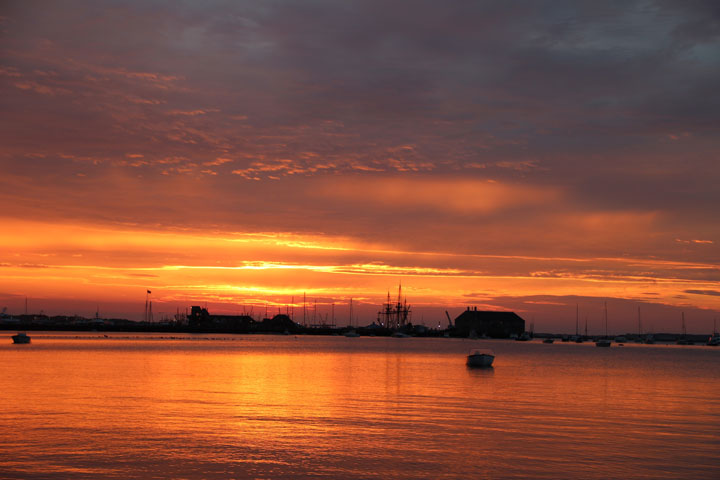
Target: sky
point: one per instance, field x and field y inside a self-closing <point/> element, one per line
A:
<point x="542" y="157"/>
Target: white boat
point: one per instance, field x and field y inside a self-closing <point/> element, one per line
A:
<point x="351" y="334"/>
<point x="480" y="358"/>
<point x="21" y="338"/>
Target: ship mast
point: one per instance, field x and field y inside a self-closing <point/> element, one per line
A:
<point x="577" y="314"/>
<point x="394" y="315"/>
<point x="684" y="330"/>
<point x="606" y="320"/>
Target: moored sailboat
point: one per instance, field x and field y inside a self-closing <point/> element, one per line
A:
<point x="604" y="342"/>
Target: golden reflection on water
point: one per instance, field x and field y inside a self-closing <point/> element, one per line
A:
<point x="287" y="407"/>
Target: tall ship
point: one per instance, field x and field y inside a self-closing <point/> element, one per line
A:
<point x="397" y="315"/>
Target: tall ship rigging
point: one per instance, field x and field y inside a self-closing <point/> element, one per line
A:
<point x="395" y="316"/>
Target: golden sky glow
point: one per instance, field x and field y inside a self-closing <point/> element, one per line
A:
<point x="90" y="266"/>
<point x="224" y="155"/>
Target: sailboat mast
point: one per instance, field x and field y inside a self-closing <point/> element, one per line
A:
<point x="577" y="313"/>
<point x="606" y="319"/>
<point x="399" y="306"/>
<point x="684" y="330"/>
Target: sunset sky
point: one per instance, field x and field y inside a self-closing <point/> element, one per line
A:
<point x="523" y="155"/>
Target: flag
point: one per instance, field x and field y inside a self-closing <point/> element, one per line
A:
<point x="149" y="291"/>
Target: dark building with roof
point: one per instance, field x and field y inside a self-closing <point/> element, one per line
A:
<point x="279" y="323"/>
<point x="200" y="318"/>
<point x="492" y="324"/>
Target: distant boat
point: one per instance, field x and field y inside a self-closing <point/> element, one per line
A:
<point x="351" y="334"/>
<point x="480" y="358"/>
<point x="714" y="339"/>
<point x="21" y="338"/>
<point x="548" y="340"/>
<point x="400" y="335"/>
<point x="683" y="340"/>
<point x="524" y="337"/>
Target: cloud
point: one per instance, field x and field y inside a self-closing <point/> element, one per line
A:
<point x="217" y="162"/>
<point x="42" y="89"/>
<point x="702" y="242"/>
<point x="192" y="113"/>
<point x="536" y="130"/>
<point x="453" y="194"/>
<point x="713" y="293"/>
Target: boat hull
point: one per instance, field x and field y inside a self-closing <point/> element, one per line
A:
<point x="480" y="360"/>
<point x="20" y="338"/>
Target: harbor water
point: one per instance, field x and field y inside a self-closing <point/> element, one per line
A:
<point x="90" y="406"/>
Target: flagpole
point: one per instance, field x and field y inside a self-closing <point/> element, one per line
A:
<point x="147" y="311"/>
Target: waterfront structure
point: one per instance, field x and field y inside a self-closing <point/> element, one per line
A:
<point x="489" y="323"/>
<point x="200" y="317"/>
<point x="202" y="320"/>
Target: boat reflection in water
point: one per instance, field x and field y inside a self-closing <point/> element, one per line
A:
<point x="480" y="358"/>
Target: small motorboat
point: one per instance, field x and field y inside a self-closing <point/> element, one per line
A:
<point x="21" y="338"/>
<point x="548" y="340"/>
<point x="480" y="358"/>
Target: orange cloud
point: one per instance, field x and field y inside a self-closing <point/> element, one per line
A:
<point x="457" y="195"/>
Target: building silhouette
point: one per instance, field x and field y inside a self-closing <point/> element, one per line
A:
<point x="489" y="323"/>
